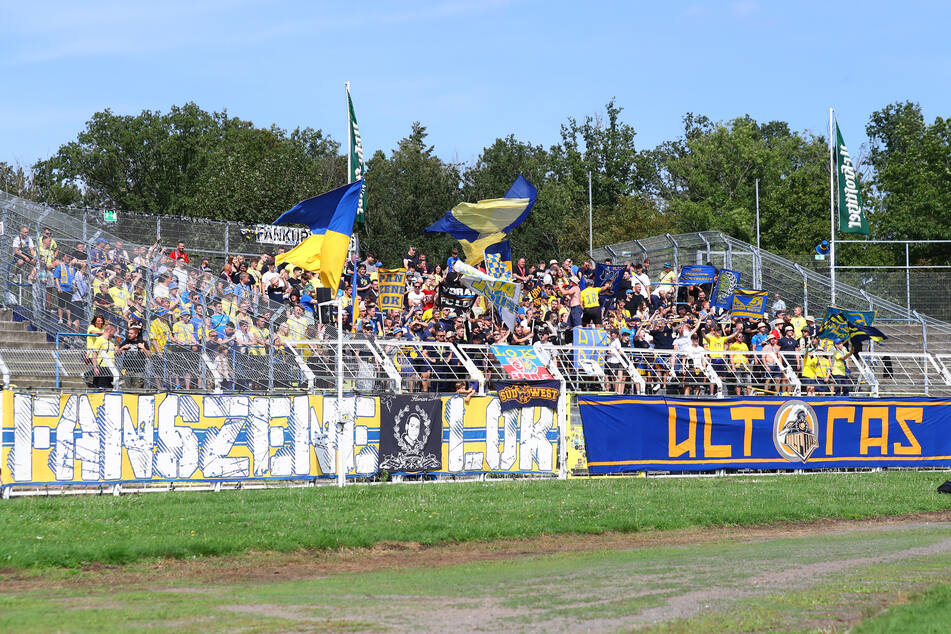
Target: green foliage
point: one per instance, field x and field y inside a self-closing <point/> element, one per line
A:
<point x="191" y="162"/>
<point x="63" y="531"/>
<point x="406" y="192"/>
<point x="196" y="163"/>
<point x="912" y="177"/>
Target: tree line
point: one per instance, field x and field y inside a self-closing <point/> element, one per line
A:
<point x="190" y="162"/>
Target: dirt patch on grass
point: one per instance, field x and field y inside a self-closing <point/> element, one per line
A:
<point x="256" y="567"/>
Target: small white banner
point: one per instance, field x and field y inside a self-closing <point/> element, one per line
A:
<point x="272" y="234"/>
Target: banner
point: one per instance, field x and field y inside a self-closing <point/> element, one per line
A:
<point x="613" y="273"/>
<point x="845" y="325"/>
<point x="697" y="274"/>
<point x="748" y="303"/>
<point x="590" y="362"/>
<point x="682" y="434"/>
<point x="272" y="234"/>
<point x="112" y="438"/>
<point x="498" y="260"/>
<point x="410" y="433"/>
<point x="456" y="297"/>
<point x="355" y="158"/>
<point x="521" y="362"/>
<point x="519" y="394"/>
<point x="852" y="217"/>
<point x="504" y="296"/>
<point x="727" y="282"/>
<point x="392" y="288"/>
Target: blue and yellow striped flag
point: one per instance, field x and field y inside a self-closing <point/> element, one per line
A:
<point x="479" y="225"/>
<point x="330" y="217"/>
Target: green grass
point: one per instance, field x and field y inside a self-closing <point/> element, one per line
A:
<point x="71" y="532"/>
<point x="599" y="591"/>
<point x="927" y="612"/>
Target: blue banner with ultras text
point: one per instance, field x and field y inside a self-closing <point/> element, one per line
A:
<point x="638" y="433"/>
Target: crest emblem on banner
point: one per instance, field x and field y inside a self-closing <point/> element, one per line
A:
<point x="796" y="431"/>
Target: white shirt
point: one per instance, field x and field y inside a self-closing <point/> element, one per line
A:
<point x="645" y="284"/>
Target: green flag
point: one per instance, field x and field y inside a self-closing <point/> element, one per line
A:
<point x="355" y="160"/>
<point x="851" y="214"/>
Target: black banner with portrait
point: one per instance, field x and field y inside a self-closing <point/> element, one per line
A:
<point x="410" y="434"/>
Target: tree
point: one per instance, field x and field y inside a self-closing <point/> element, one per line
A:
<point x="912" y="188"/>
<point x="406" y="192"/>
<point x="706" y="180"/>
<point x="193" y="163"/>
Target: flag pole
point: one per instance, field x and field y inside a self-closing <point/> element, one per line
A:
<point x="349" y="137"/>
<point x="832" y="201"/>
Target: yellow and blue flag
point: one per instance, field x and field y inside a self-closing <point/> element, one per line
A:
<point x="498" y="260"/>
<point x="849" y="325"/>
<point x="478" y="225"/>
<point x="748" y="303"/>
<point x="330" y="217"/>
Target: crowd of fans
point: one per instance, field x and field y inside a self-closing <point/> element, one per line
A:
<point x="150" y="301"/>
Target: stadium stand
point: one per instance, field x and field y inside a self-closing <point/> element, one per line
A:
<point x="212" y="325"/>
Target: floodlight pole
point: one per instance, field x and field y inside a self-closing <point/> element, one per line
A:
<point x="757" y="215"/>
<point x="590" y="218"/>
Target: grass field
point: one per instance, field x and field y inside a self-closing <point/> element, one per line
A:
<point x="671" y="554"/>
<point x="69" y="532"/>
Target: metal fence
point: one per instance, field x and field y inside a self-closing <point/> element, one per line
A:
<point x="801" y="284"/>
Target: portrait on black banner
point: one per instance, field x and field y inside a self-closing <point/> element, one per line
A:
<point x="410" y="434"/>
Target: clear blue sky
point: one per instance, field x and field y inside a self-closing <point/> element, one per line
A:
<point x="470" y="70"/>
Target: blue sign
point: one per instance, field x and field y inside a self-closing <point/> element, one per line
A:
<point x="642" y="433"/>
<point x="697" y="274"/>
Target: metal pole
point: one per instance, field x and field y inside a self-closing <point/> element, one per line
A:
<point x="805" y="289"/>
<point x="832" y="202"/>
<point x="590" y="217"/>
<point x="341" y="422"/>
<point x="757" y="213"/>
<point x="349" y="135"/>
<point x="924" y="346"/>
<point x="227" y="245"/>
<point x="907" y="282"/>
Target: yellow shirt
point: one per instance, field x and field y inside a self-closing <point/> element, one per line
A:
<point x="184" y="332"/>
<point x="740" y="359"/>
<point x="120" y="296"/>
<point x="296" y="327"/>
<point x="262" y="334"/>
<point x="104" y="349"/>
<point x="810" y="367"/>
<point x="822" y="367"/>
<point x="715" y="343"/>
<point x="90" y="341"/>
<point x="799" y="324"/>
<point x="159" y="333"/>
<point x="589" y="297"/>
<point x="838" y="363"/>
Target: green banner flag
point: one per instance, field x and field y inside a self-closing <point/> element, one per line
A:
<point x="355" y="160"/>
<point x="851" y="214"/>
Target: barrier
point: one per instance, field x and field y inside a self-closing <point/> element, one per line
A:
<point x="679" y="434"/>
<point x="112" y="438"/>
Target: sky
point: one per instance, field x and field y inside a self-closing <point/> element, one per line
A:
<point x="469" y="70"/>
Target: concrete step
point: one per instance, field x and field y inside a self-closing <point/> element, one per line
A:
<point x="26" y="339"/>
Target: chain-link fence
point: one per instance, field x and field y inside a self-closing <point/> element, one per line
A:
<point x="807" y="284"/>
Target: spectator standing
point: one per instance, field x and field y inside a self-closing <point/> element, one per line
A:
<point x="179" y="253"/>
<point x="102" y="354"/>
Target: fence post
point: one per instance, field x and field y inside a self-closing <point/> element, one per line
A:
<point x="609" y="250"/>
<point x="270" y="347"/>
<point x="757" y="267"/>
<point x="805" y="288"/>
<point x="707" y="243"/>
<point x="924" y="346"/>
<point x="158" y="227"/>
<point x="673" y="244"/>
<point x="227" y="240"/>
<point x="907" y="282"/>
<point x="643" y="250"/>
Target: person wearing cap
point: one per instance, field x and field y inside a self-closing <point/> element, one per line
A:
<point x="840" y="370"/>
<point x="97" y="256"/>
<point x="591" y="302"/>
<point x="758" y="340"/>
<point x="811" y="329"/>
<point x="668" y="279"/>
<point x="774" y="378"/>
